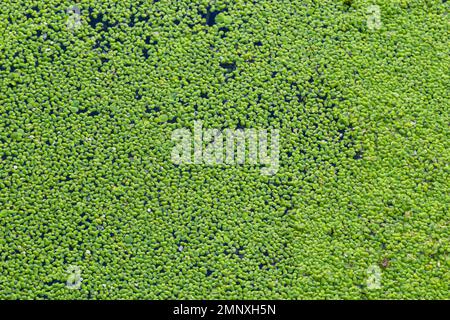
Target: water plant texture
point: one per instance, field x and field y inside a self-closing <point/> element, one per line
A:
<point x="92" y="207"/>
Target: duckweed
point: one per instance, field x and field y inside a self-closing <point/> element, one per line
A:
<point x="88" y="104"/>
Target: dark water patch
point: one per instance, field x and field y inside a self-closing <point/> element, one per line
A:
<point x="228" y="66"/>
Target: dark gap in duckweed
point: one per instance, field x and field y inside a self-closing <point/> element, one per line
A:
<point x="137" y="95"/>
<point x="95" y="19"/>
<point x="104" y="60"/>
<point x="210" y="16"/>
<point x="223" y="32"/>
<point x="358" y="155"/>
<point x="81" y="111"/>
<point x="173" y="120"/>
<point x="145" y="53"/>
<point x="103" y="45"/>
<point x="228" y="66"/>
<point x="63" y="46"/>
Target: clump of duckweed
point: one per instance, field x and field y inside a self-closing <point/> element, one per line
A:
<point x="89" y="99"/>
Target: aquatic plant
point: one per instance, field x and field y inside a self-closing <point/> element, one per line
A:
<point x="89" y="98"/>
